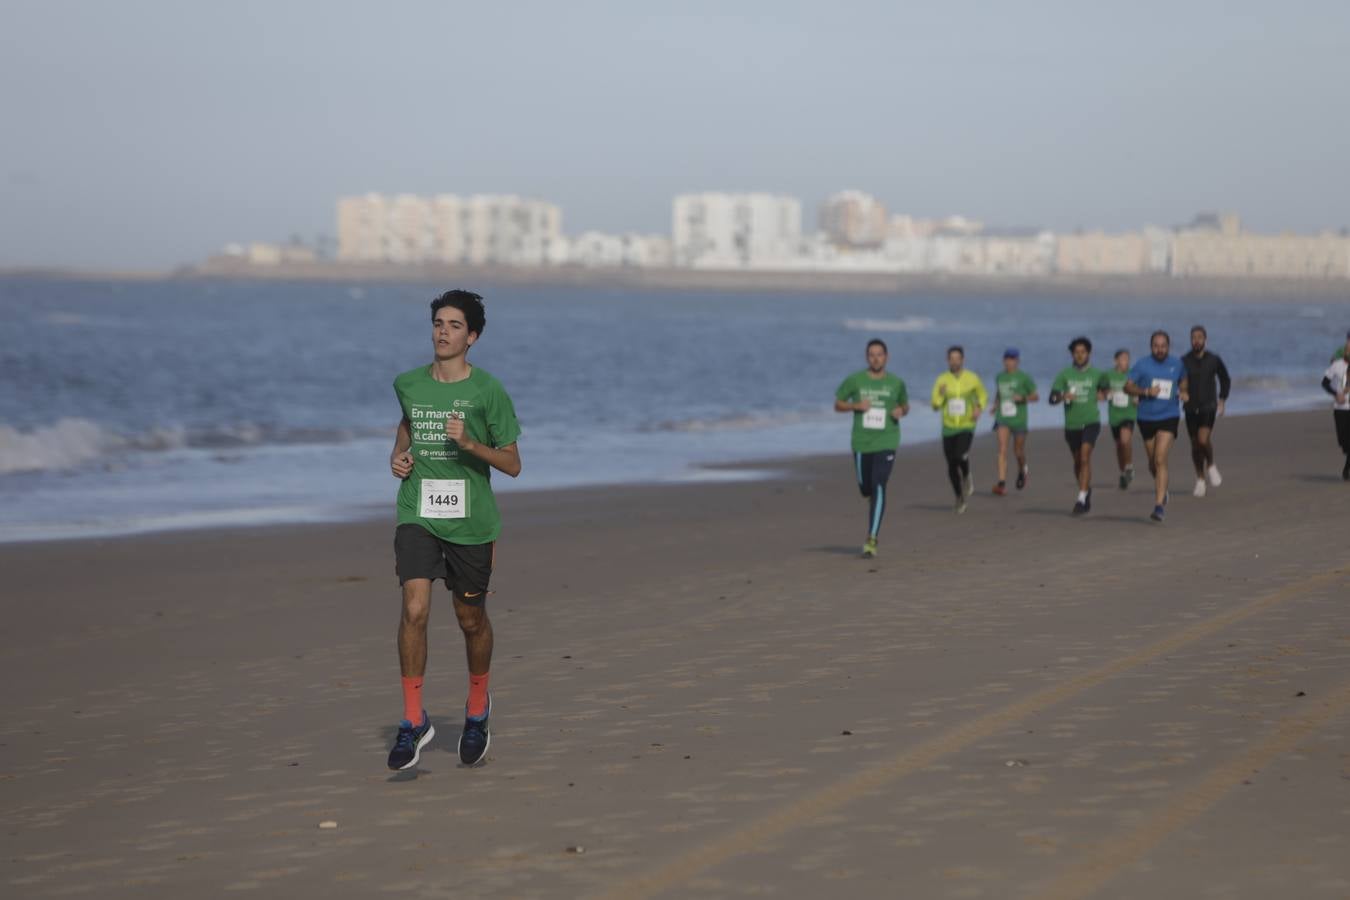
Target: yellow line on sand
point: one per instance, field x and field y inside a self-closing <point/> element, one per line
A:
<point x="1108" y="857"/>
<point x="837" y="795"/>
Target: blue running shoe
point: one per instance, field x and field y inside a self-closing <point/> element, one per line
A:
<point x="409" y="743"/>
<point x="1158" y="513"/>
<point x="474" y="741"/>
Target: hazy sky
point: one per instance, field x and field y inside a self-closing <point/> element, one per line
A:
<point x="145" y="134"/>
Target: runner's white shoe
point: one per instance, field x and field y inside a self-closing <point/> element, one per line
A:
<point x="1215" y="479"/>
<point x="1199" y="487"/>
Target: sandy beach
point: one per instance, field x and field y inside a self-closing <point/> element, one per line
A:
<point x="702" y="691"/>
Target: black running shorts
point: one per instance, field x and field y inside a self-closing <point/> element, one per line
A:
<point x="1116" y="429"/>
<point x="466" y="569"/>
<point x="1148" y="429"/>
<point x="1077" y="437"/>
<point x="1200" y="417"/>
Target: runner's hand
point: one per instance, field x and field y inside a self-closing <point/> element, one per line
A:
<point x="863" y="405"/>
<point x="454" y="430"/>
<point x="1342" y="397"/>
<point x="897" y="413"/>
<point x="1185" y="397"/>
<point x="942" y="390"/>
<point x="1221" y="404"/>
<point x="1154" y="391"/>
<point x="401" y="464"/>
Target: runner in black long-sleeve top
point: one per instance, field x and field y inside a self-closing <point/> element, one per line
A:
<point x="1204" y="406"/>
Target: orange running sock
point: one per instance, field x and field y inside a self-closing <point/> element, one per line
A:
<point x="477" y="695"/>
<point x="412" y="700"/>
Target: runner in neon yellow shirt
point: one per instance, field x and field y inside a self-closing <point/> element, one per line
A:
<point x="960" y="396"/>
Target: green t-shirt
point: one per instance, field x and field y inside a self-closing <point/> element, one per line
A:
<point x="875" y="430"/>
<point x="1006" y="386"/>
<point x="449" y="493"/>
<point x="1084" y="383"/>
<point x="1120" y="406"/>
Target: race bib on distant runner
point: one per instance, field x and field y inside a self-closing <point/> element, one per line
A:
<point x="1164" y="388"/>
<point x="444" y="498"/>
<point x="1008" y="408"/>
<point x="956" y="407"/>
<point x="874" y="419"/>
<point x="1120" y="399"/>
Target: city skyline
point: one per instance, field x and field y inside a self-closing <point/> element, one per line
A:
<point x="151" y="134"/>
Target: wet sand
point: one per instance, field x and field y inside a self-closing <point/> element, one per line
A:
<point x="702" y="691"/>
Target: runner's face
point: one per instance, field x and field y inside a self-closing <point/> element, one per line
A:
<point x="450" y="336"/>
<point x="1122" y="362"/>
<point x="1080" y="355"/>
<point x="876" y="358"/>
<point x="954" y="361"/>
<point x="1010" y="364"/>
<point x="1159" y="345"/>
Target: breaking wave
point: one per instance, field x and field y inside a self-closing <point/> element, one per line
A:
<point x="907" y="323"/>
<point x="71" y="443"/>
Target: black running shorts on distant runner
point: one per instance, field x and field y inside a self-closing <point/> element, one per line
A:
<point x="1147" y="429"/>
<point x="1077" y="437"/>
<point x="1116" y="429"/>
<point x="466" y="569"/>
<point x="1200" y="417"/>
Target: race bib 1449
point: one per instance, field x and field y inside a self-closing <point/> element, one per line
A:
<point x="444" y="498"/>
<point x="874" y="419"/>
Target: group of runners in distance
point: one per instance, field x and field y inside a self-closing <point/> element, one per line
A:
<point x="458" y="424"/>
<point x="1154" y="393"/>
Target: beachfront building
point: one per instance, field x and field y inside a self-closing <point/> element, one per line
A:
<point x="594" y="249"/>
<point x="1097" y="253"/>
<point x="854" y="219"/>
<point x="483" y="229"/>
<point x="726" y="231"/>
<point x="1216" y="246"/>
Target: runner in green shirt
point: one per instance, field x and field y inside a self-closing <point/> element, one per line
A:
<point x="1080" y="388"/>
<point x="878" y="400"/>
<point x="458" y="425"/>
<point x="1013" y="390"/>
<point x="1121" y="410"/>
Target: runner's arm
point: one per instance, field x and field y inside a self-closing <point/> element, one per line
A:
<point x="1225" y="382"/>
<point x="400" y="460"/>
<point x="1326" y="385"/>
<point x="848" y="406"/>
<point x="1184" y="388"/>
<point x="504" y="459"/>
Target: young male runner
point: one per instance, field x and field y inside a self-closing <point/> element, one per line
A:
<point x="458" y="425"/>
<point x="878" y="400"/>
<point x="1080" y="387"/>
<point x="1203" y="407"/>
<point x="961" y="397"/>
<point x="1121" y="410"/>
<point x="1159" y="381"/>
<point x="1013" y="390"/>
<point x="1336" y="382"/>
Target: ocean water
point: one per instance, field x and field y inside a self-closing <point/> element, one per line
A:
<point x="128" y="407"/>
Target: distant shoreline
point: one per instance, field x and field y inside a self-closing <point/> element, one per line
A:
<point x="1142" y="286"/>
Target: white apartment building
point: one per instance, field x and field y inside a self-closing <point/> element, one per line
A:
<point x="726" y="231"/>
<point x="483" y="229"/>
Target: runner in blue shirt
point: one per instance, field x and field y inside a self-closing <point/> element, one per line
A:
<point x="1159" y="381"/>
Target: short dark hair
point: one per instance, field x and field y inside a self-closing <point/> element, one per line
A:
<point x="878" y="342"/>
<point x="467" y="302"/>
<point x="1160" y="333"/>
<point x="1080" y="340"/>
<point x="1199" y="328"/>
<point x="1121" y="352"/>
<point x="956" y="348"/>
